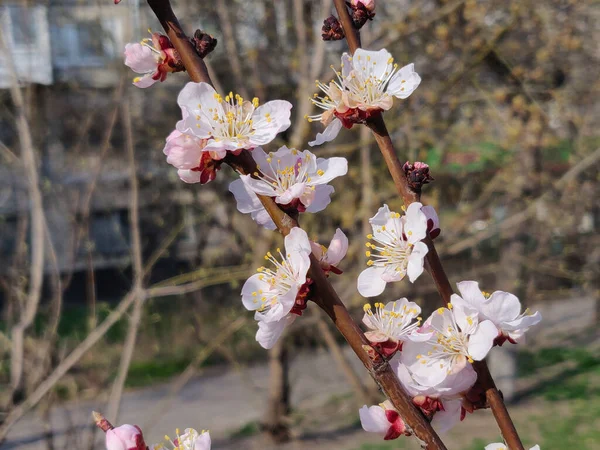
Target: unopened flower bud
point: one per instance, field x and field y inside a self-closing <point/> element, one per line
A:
<point x="368" y="4"/>
<point x="125" y="437"/>
<point x="203" y="42"/>
<point x="362" y="11"/>
<point x="332" y="29"/>
<point x="417" y="174"/>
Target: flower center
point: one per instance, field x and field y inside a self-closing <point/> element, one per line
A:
<point x="365" y="86"/>
<point x="281" y="279"/>
<point x="391" y="323"/>
<point x="233" y="119"/>
<point x="450" y="343"/>
<point x="390" y="247"/>
<point x="284" y="177"/>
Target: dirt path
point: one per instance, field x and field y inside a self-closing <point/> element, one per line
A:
<point x="223" y="401"/>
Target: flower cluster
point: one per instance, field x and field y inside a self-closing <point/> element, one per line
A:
<point x="153" y="58"/>
<point x="365" y="86"/>
<point x="433" y="361"/>
<point x="296" y="180"/>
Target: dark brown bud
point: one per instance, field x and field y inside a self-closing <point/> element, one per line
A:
<point x="203" y="42"/>
<point x="359" y="13"/>
<point x="417" y="174"/>
<point x="332" y="29"/>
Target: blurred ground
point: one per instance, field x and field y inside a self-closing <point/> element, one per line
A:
<point x="556" y="405"/>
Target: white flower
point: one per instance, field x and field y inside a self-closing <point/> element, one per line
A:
<point x="365" y="86"/>
<point x="501" y="446"/>
<point x="272" y="293"/>
<point x="382" y="419"/>
<point x="398" y="250"/>
<point x="297" y="179"/>
<point x="231" y="123"/>
<point x="455" y="337"/>
<point x="289" y="175"/>
<point x="189" y="440"/>
<point x="502" y="308"/>
<point x="330" y="257"/>
<point x="443" y="400"/>
<point x="186" y="153"/>
<point x="392" y="324"/>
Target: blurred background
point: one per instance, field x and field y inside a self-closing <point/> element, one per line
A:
<point x="119" y="284"/>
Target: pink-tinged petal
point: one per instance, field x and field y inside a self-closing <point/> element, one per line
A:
<point x="499" y="446"/>
<point x="374" y="420"/>
<point x="338" y="247"/>
<point x="375" y="336"/>
<point x="183" y="151"/>
<point x="246" y="199"/>
<point x="332" y="168"/>
<point x="502" y="307"/>
<point x="290" y="194"/>
<point x="203" y="442"/>
<point x="446" y="419"/>
<point x="145" y="81"/>
<point x="317" y="250"/>
<point x="482" y="340"/>
<point x="258" y="186"/>
<point x="263" y="218"/>
<point x="254" y="285"/>
<point x="189" y="176"/>
<point x="140" y="58"/>
<point x="125" y="437"/>
<point x="433" y="221"/>
<point x="269" y="332"/>
<point x="416" y="261"/>
<point x="370" y="283"/>
<point x="321" y="199"/>
<point x="404" y="82"/>
<point x="471" y="294"/>
<point x="459" y="382"/>
<point x="261" y="159"/>
<point x="329" y="134"/>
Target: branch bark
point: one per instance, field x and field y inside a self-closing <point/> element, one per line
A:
<point x="138" y="273"/>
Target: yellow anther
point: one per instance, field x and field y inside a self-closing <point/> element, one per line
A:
<point x="368" y="253"/>
<point x="450" y="306"/>
<point x="320" y="172"/>
<point x="370" y="263"/>
<point x="440" y="311"/>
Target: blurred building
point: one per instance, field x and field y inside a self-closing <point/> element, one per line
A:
<point x="68" y="55"/>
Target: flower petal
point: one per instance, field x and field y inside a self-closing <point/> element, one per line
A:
<point x="332" y="168"/>
<point x="269" y="332"/>
<point x="321" y="198"/>
<point x="482" y="340"/>
<point x="404" y="82"/>
<point x="337" y="248"/>
<point x="253" y="285"/>
<point x="416" y="261"/>
<point x="373" y="420"/>
<point x="140" y="58"/>
<point x="444" y="420"/>
<point x="329" y="134"/>
<point x="370" y="283"/>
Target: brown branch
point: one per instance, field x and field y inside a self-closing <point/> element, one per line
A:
<point x="433" y="263"/>
<point x="326" y="297"/>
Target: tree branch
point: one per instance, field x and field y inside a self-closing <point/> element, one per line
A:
<point x="433" y="263"/>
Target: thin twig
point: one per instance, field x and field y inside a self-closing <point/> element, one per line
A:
<point x="138" y="273"/>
